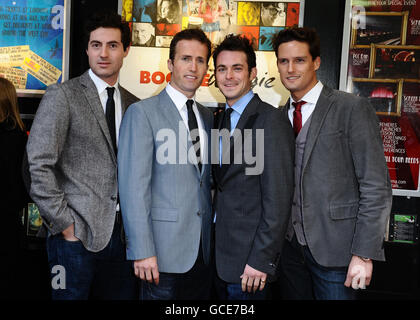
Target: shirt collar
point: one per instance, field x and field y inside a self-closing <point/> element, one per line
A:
<point x="100" y="84"/>
<point x="312" y="95"/>
<point x="240" y="105"/>
<point x="178" y="98"/>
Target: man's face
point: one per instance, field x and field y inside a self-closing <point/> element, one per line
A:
<point x="232" y="75"/>
<point x="269" y="14"/>
<point x="142" y="32"/>
<point x="297" y="68"/>
<point x="189" y="66"/>
<point x="164" y="9"/>
<point x="106" y="53"/>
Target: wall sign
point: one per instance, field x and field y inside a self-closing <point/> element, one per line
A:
<point x="154" y="22"/>
<point x="33" y="43"/>
<point x="381" y="61"/>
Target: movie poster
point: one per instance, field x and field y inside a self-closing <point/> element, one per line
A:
<point x="155" y="22"/>
<point x="384" y="66"/>
<point x="32" y="43"/>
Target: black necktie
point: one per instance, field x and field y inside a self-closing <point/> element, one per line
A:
<point x="110" y="116"/>
<point x="226" y="119"/>
<point x="193" y="126"/>
<point x="226" y="125"/>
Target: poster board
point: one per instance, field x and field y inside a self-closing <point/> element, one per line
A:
<point x="381" y="61"/>
<point x="34" y="43"/>
<point x="145" y="72"/>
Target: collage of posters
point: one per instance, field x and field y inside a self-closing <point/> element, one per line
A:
<point x="155" y="22"/>
<point x="31" y="43"/>
<point x="384" y="66"/>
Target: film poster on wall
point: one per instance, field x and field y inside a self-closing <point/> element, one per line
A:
<point x="32" y="43"/>
<point x="155" y="22"/>
<point x="383" y="64"/>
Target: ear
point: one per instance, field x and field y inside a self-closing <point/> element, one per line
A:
<point x="317" y="63"/>
<point x="170" y="65"/>
<point x="126" y="51"/>
<point x="253" y="73"/>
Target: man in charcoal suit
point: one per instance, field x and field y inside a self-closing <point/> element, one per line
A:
<point x="253" y="198"/>
<point x="342" y="196"/>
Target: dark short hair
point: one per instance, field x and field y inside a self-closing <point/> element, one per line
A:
<point x="190" y="34"/>
<point x="237" y="43"/>
<point x="306" y="35"/>
<point x="108" y="19"/>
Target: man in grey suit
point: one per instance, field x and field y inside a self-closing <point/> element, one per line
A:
<point x="342" y="195"/>
<point x="164" y="179"/>
<point x="253" y="198"/>
<point x="72" y="155"/>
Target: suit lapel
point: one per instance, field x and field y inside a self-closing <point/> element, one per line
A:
<point x="91" y="94"/>
<point x="246" y="121"/>
<point x="207" y="129"/>
<point x="171" y="113"/>
<point x="322" y="107"/>
<point x="124" y="99"/>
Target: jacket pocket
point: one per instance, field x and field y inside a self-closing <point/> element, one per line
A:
<point x="164" y="214"/>
<point x="344" y="211"/>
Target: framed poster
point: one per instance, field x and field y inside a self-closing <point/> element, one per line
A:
<point x="34" y="43"/>
<point x="403" y="228"/>
<point x="381" y="61"/>
<point x="154" y="22"/>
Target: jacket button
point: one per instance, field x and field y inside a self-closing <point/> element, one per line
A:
<point x="113" y="198"/>
<point x="198" y="213"/>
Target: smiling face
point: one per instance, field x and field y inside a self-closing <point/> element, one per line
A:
<point x="233" y="77"/>
<point x="297" y="68"/>
<point x="189" y="66"/>
<point x="106" y="53"/>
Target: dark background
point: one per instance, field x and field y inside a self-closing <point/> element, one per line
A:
<point x="397" y="278"/>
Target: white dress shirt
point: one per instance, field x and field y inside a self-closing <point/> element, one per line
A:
<point x="179" y="99"/>
<point x="103" y="95"/>
<point x="311" y="98"/>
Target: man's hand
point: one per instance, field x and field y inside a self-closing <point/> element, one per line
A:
<point x="68" y="234"/>
<point x="359" y="273"/>
<point x="147" y="269"/>
<point x="252" y="279"/>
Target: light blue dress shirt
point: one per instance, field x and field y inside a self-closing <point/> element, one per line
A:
<point x="238" y="108"/>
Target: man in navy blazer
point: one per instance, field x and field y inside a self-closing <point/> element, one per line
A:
<point x="164" y="179"/>
<point x="342" y="196"/>
<point x="253" y="198"/>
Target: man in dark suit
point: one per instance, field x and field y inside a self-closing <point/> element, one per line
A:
<point x="252" y="198"/>
<point x="72" y="155"/>
<point x="342" y="195"/>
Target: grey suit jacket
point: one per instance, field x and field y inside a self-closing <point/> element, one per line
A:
<point x="345" y="185"/>
<point x="166" y="206"/>
<point x="72" y="164"/>
<point x="253" y="210"/>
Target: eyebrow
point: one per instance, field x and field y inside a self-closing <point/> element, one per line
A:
<point x="234" y="65"/>
<point x="109" y="42"/>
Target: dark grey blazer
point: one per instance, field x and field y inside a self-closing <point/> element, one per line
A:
<point x="345" y="185"/>
<point x="253" y="210"/>
<point x="72" y="163"/>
